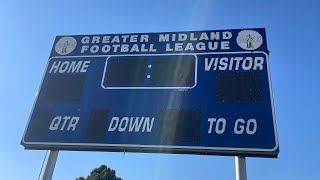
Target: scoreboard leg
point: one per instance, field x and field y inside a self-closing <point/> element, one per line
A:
<point x="50" y="162"/>
<point x="241" y="169"/>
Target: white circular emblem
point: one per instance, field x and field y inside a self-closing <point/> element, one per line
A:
<point x="65" y="45"/>
<point x="249" y="39"/>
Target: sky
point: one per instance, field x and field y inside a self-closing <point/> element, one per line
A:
<point x="27" y="32"/>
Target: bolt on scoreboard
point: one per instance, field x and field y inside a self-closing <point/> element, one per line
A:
<point x="195" y="92"/>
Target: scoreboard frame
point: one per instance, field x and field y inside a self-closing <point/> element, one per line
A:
<point x="229" y="151"/>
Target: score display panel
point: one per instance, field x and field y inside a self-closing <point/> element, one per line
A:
<point x="195" y="92"/>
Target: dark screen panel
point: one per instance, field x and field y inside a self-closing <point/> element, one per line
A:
<point x="173" y="71"/>
<point x="97" y="124"/>
<point x="124" y="71"/>
<point x="179" y="125"/>
<point x="238" y="86"/>
<point x="65" y="87"/>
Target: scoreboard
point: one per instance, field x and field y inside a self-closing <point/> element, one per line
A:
<point x="195" y="92"/>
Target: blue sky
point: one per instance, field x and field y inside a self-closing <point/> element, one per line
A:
<point x="27" y="32"/>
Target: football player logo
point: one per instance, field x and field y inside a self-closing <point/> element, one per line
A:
<point x="249" y="39"/>
<point x="65" y="45"/>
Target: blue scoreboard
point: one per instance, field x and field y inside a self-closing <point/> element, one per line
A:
<point x="195" y="92"/>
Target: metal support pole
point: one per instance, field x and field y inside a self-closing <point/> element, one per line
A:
<point x="241" y="169"/>
<point x="50" y="162"/>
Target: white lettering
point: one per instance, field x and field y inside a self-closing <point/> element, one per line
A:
<point x="136" y="124"/>
<point x="113" y="124"/>
<point x="84" y="48"/>
<point x="203" y="36"/>
<point x="95" y="39"/>
<point x="124" y="48"/>
<point x="226" y="35"/>
<point x="106" y="48"/>
<point x="66" y="118"/>
<point x="200" y="46"/>
<point x="164" y="37"/>
<point x="143" y="48"/>
<point x="147" y="124"/>
<point x="85" y="66"/>
<point x="74" y="66"/>
<point x="225" y="45"/>
<point x="213" y="45"/>
<point x="234" y="63"/>
<point x="85" y="40"/>
<point x="168" y="48"/>
<point x="182" y="37"/>
<point x="208" y="64"/>
<point x="55" y="66"/>
<point x="220" y="125"/>
<point x="258" y="63"/>
<point x="106" y="39"/>
<point x="124" y="121"/>
<point x="73" y="123"/>
<point x="238" y="59"/>
<point x="247" y="63"/>
<point x="124" y="38"/>
<point x="94" y="49"/>
<point x="178" y="46"/>
<point x="115" y="39"/>
<point x="223" y="63"/>
<point x="214" y="35"/>
<point x="134" y="38"/>
<point x="69" y="67"/>
<point x="238" y="129"/>
<point x="131" y="124"/>
<point x="144" y="38"/>
<point x="64" y="67"/>
<point x="254" y="124"/>
<point x="55" y="123"/>
<point x="211" y="120"/>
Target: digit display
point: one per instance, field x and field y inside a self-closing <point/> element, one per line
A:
<point x="179" y="125"/>
<point x="97" y="124"/>
<point x="173" y="71"/>
<point x="125" y="71"/>
<point x="65" y="87"/>
<point x="238" y="86"/>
